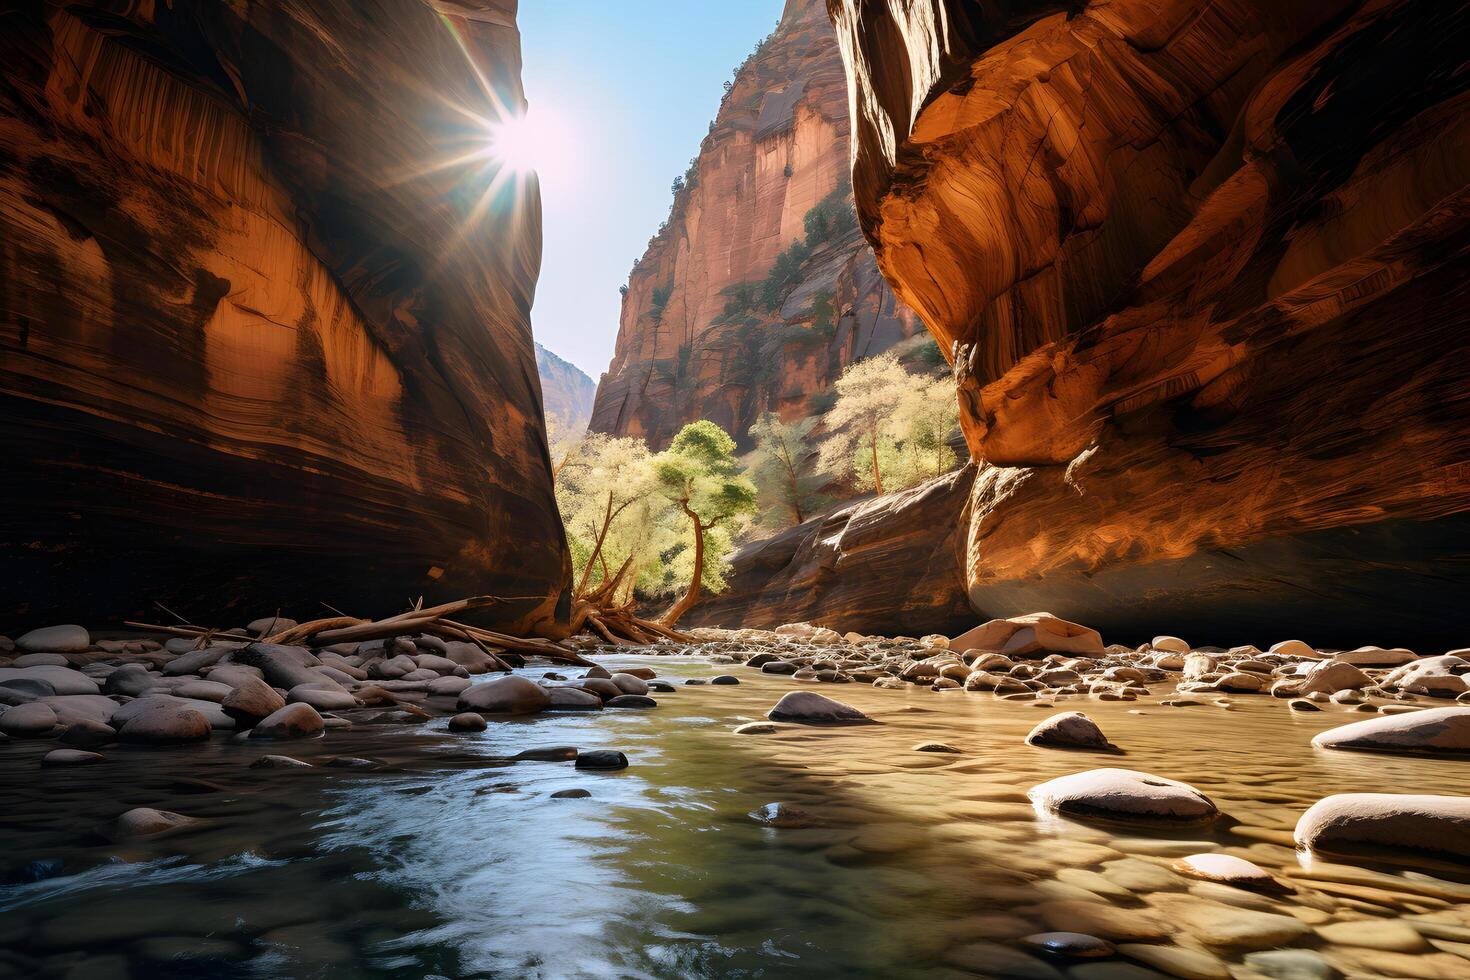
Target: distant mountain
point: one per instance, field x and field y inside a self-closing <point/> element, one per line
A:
<point x="566" y="391"/>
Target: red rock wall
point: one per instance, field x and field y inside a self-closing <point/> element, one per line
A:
<point x="247" y="355"/>
<point x="1204" y="268"/>
<point x="778" y="147"/>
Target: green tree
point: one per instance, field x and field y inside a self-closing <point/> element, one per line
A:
<point x="868" y="418"/>
<point x="785" y="470"/>
<point x="698" y="475"/>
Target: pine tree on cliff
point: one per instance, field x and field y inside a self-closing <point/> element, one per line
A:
<point x="699" y="474"/>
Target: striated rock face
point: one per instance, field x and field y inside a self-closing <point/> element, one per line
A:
<point x="253" y="349"/>
<point x="691" y="342"/>
<point x="892" y="565"/>
<point x="1201" y="267"/>
<point x="566" y="391"/>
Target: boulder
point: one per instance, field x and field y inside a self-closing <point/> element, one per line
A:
<point x="1436" y="731"/>
<point x="252" y="700"/>
<point x="1069" y="730"/>
<point x="72" y="709"/>
<point x="1331" y="676"/>
<point x="1293" y="648"/>
<point x="164" y="721"/>
<point x="63" y="680"/>
<point x="147" y="822"/>
<point x="632" y="701"/>
<point x="1433" y="826"/>
<point x="40" y="660"/>
<point x="572" y="699"/>
<point x="1169" y="644"/>
<point x="292" y="721"/>
<point x="1030" y="635"/>
<point x="1434" y="676"/>
<point x="85" y="732"/>
<point x="807" y="708"/>
<point x="629" y="684"/>
<point x="470" y="657"/>
<point x="54" y="639"/>
<point x="1376" y="657"/>
<point x="511" y="695"/>
<point x="31" y="720"/>
<point x="468" y="721"/>
<point x="213" y="713"/>
<point x="603" y="759"/>
<point x="282" y="666"/>
<point x="1124" y="794"/>
<point x="322" y="698"/>
<point x="196" y="660"/>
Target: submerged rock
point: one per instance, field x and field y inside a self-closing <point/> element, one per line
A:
<point x="1124" y="794"/>
<point x="71" y="757"/>
<point x="1069" y="730"/>
<point x="783" y="815"/>
<point x="147" y="822"/>
<point x="1434" y="731"/>
<point x="1076" y="945"/>
<point x="1436" y="826"/>
<point x="292" y="721"/>
<point x="512" y="695"/>
<point x="807" y="708"/>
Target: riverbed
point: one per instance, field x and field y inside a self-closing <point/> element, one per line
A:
<point x="453" y="860"/>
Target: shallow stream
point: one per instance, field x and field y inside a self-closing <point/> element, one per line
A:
<point x="453" y="861"/>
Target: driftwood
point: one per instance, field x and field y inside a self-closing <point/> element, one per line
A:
<point x="433" y="621"/>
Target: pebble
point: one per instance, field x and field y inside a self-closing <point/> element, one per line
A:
<point x="570" y="794"/>
<point x="757" y="728"/>
<point x="555" y="753"/>
<point x="1176" y="961"/>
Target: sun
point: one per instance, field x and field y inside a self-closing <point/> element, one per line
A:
<point x="521" y="144"/>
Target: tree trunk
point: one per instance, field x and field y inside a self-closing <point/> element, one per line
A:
<point x="877" y="477"/>
<point x="692" y="595"/>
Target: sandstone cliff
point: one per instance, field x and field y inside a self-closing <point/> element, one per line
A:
<point x="565" y="390"/>
<point x="1202" y="267"/>
<point x="722" y="319"/>
<point x="254" y="350"/>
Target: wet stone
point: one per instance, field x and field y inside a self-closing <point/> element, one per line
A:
<point x="570" y="794"/>
<point x="71" y="757"/>
<point x="555" y="753"/>
<point x="631" y="701"/>
<point x="725" y="679"/>
<point x="279" y="762"/>
<point x="147" y="822"/>
<point x="602" y="759"/>
<point x="783" y="815"/>
<point x="1070" y="944"/>
<point x="757" y="728"/>
<point x="936" y="747"/>
<point x="354" y="762"/>
<point x="468" y="721"/>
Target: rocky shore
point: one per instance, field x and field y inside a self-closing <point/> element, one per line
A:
<point x="89" y="697"/>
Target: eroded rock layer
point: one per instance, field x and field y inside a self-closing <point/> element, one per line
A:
<point x="891" y="565"/>
<point x="1202" y="270"/>
<point x="255" y="347"/>
<point x="696" y="338"/>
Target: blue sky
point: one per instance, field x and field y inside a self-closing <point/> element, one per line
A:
<point x="632" y="86"/>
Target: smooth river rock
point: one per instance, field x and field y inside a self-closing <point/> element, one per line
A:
<point x="54" y="639"/>
<point x="146" y="822"/>
<point x="1437" y="826"/>
<point x="807" y="708"/>
<point x="292" y="721"/>
<point x="512" y="695"/>
<point x="1124" y="794"/>
<point x="1069" y="730"/>
<point x="1434" y="731"/>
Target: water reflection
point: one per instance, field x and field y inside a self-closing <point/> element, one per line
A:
<point x="452" y="861"/>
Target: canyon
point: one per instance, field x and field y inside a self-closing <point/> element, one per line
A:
<point x="566" y="393"/>
<point x="700" y="335"/>
<point x="1201" y="272"/>
<point x="256" y="347"/>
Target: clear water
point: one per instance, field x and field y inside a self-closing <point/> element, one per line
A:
<point x="452" y="861"/>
